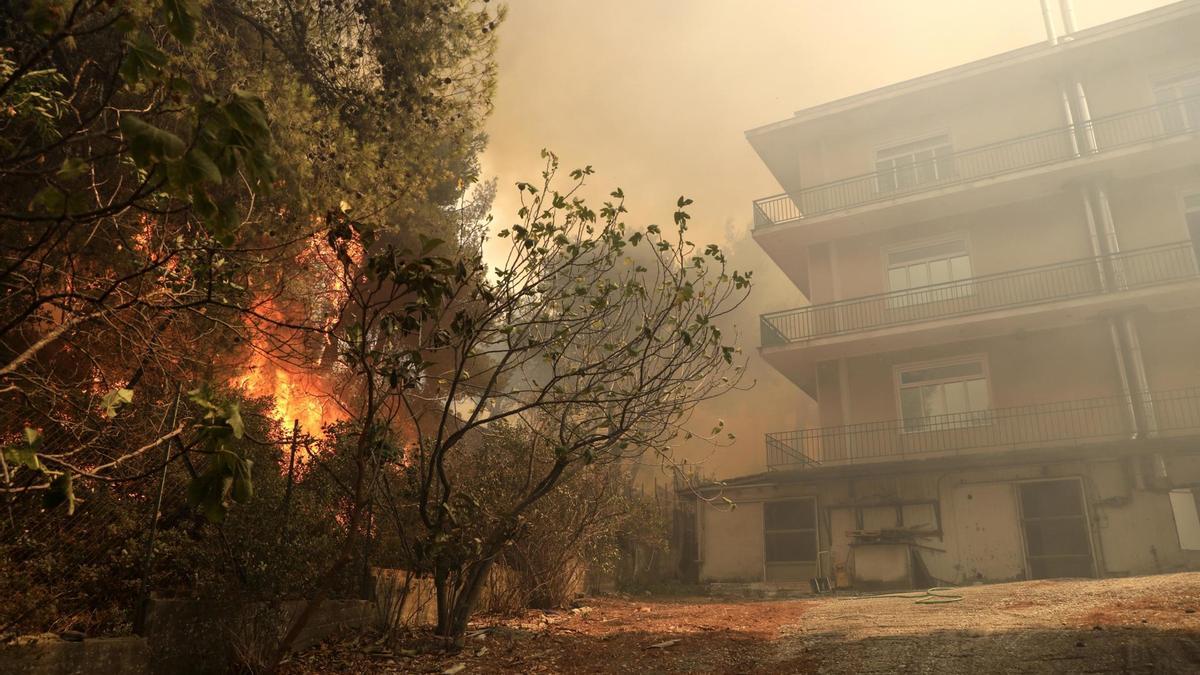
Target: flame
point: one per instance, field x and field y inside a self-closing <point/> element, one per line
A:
<point x="300" y="398"/>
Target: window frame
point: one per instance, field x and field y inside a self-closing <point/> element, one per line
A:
<point x="924" y="142"/>
<point x="1192" y="494"/>
<point x="981" y="420"/>
<point x="908" y="297"/>
<point x="1186" y="115"/>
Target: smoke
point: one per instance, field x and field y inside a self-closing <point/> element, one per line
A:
<point x="657" y="96"/>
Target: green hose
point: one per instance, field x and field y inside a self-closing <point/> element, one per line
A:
<point x="939" y="595"/>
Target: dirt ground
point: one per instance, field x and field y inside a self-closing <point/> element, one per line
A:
<point x="1136" y="625"/>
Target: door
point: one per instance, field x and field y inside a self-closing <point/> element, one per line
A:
<point x="790" y="539"/>
<point x="1054" y="522"/>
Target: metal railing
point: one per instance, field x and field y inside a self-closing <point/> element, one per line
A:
<point x="1032" y="286"/>
<point x="1060" y="424"/>
<point x="1170" y="118"/>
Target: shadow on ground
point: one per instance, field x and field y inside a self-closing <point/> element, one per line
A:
<point x="1105" y="649"/>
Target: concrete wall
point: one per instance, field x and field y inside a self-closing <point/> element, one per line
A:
<point x="980" y="538"/>
<point x="1171" y="349"/>
<point x="52" y="656"/>
<point x="182" y="637"/>
<point x="993" y="107"/>
<point x="1038" y="367"/>
<point x="971" y="117"/>
<point x="731" y="542"/>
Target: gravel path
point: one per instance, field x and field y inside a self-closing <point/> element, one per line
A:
<point x="1135" y="625"/>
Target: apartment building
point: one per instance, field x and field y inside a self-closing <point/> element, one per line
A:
<point x="1003" y="340"/>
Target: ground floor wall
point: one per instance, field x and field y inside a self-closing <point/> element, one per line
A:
<point x="959" y="526"/>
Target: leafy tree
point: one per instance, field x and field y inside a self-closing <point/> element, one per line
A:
<point x="595" y="338"/>
<point x="171" y="168"/>
<point x="168" y="165"/>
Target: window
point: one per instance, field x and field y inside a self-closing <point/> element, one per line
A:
<point x="944" y="396"/>
<point x="1180" y="97"/>
<point x="902" y="167"/>
<point x="790" y="531"/>
<point x="1185" y="504"/>
<point x="1191" y="215"/>
<point x="940" y="263"/>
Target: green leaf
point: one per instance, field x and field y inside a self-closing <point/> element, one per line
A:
<point x="181" y="18"/>
<point x="194" y="167"/>
<point x="19" y="456"/>
<point x="115" y="399"/>
<point x="33" y="437"/>
<point x="72" y="168"/>
<point x="50" y="199"/>
<point x="148" y="144"/>
<point x="428" y="244"/>
<point x="143" y="59"/>
<point x="61" y="491"/>
<point x="248" y="114"/>
<point x="214" y="511"/>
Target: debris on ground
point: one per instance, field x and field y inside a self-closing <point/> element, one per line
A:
<point x="1137" y="625"/>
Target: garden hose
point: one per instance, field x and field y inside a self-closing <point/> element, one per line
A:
<point x="938" y="595"/>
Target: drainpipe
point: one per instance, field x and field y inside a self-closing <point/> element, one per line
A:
<point x="1133" y="349"/>
<point x="1048" y="20"/>
<point x="1094" y="237"/>
<point x="1085" y="118"/>
<point x="1113" y="333"/>
<point x="1111" y="245"/>
<point x="1135" y="424"/>
<point x="1139" y="373"/>
<point x="1068" y="18"/>
<point x="1070" y="116"/>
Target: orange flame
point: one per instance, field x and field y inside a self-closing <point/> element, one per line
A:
<point x="300" y="398"/>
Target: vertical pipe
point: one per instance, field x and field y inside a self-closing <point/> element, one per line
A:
<point x="1094" y="235"/>
<point x="1149" y="419"/>
<point x="1123" y="377"/>
<point x="1085" y="118"/>
<point x="1070" y="117"/>
<point x="1048" y="21"/>
<point x="1136" y="361"/>
<point x="1068" y="17"/>
<point x="1112" y="245"/>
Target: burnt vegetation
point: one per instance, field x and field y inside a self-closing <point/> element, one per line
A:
<point x="250" y="347"/>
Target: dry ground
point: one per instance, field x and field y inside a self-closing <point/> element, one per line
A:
<point x="1138" y="625"/>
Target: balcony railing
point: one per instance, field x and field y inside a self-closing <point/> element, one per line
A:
<point x="1062" y="424"/>
<point x="1171" y="118"/>
<point x="1032" y="286"/>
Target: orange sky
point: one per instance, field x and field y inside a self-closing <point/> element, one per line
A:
<point x="656" y="95"/>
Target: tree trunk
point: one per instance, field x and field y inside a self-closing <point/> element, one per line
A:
<point x="454" y="616"/>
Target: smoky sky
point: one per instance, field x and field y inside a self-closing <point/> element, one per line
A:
<point x="657" y="95"/>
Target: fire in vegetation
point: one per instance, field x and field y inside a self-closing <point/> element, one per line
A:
<point x="301" y="398"/>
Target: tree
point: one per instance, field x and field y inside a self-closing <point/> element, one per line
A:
<point x="167" y="166"/>
<point x="170" y="167"/>
<point x="595" y="338"/>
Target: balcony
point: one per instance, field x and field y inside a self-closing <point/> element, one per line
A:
<point x="1025" y="288"/>
<point x="1049" y="425"/>
<point x="1069" y="144"/>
